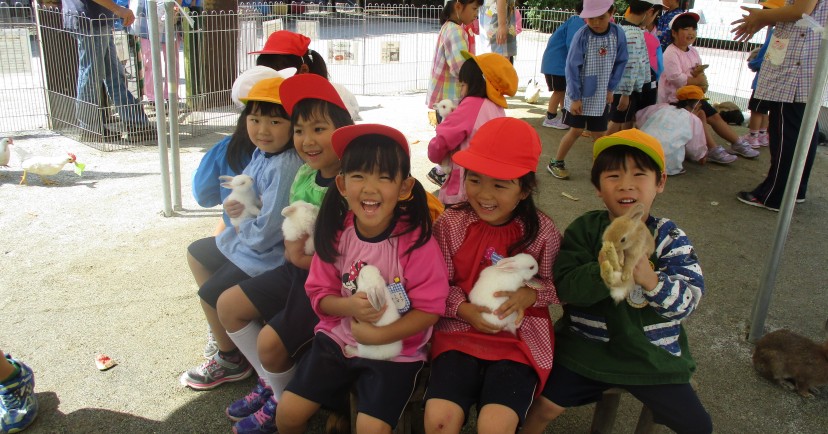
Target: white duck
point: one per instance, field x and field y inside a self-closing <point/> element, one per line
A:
<point x="43" y="165"/>
<point x="5" y="153"/>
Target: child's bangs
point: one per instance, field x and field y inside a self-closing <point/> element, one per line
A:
<point x="265" y="108"/>
<point x="374" y="152"/>
<point x="684" y="22"/>
<point x="615" y="158"/>
<point x="311" y="109"/>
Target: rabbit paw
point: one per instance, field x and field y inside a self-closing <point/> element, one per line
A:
<point x="351" y="351"/>
<point x="609" y="274"/>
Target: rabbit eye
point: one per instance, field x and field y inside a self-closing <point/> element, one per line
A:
<point x="624" y="239"/>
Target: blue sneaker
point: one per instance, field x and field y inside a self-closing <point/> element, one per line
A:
<point x="251" y="403"/>
<point x="260" y="422"/>
<point x="18" y="403"/>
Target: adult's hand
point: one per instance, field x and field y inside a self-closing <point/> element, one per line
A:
<point x="748" y="25"/>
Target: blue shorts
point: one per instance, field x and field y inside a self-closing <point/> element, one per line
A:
<point x="675" y="405"/>
<point x="382" y="387"/>
<point x="466" y="380"/>
<point x="591" y="123"/>
<point x="279" y="296"/>
<point x="225" y="273"/>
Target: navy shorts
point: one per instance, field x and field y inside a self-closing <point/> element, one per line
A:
<point x="555" y="83"/>
<point x="649" y="94"/>
<point x="382" y="387"/>
<point x="759" y="105"/>
<point x="466" y="380"/>
<point x="708" y="109"/>
<point x="591" y="123"/>
<point x="628" y="115"/>
<point x="674" y="405"/>
<point x="225" y="273"/>
<point x="279" y="296"/>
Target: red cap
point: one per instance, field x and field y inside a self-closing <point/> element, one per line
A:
<point x="285" y="42"/>
<point x="343" y="137"/>
<point x="308" y="86"/>
<point x="503" y="148"/>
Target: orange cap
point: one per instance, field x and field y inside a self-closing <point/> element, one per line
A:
<point x="503" y="148"/>
<point x="501" y="77"/>
<point x="635" y="138"/>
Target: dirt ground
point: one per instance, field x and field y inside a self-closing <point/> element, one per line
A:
<point x="91" y="266"/>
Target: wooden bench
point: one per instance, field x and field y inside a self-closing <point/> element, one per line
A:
<point x="607" y="408"/>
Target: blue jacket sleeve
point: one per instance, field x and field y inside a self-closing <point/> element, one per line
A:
<point x="574" y="63"/>
<point x="620" y="58"/>
<point x="756" y="63"/>
<point x="206" y="185"/>
<point x="660" y="61"/>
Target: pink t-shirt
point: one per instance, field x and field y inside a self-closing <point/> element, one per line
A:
<point x="421" y="273"/>
<point x="677" y="67"/>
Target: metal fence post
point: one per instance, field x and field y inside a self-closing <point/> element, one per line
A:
<point x="172" y="97"/>
<point x="783" y="222"/>
<point x="161" y="111"/>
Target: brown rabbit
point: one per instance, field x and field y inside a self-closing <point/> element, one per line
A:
<point x="793" y="361"/>
<point x="626" y="241"/>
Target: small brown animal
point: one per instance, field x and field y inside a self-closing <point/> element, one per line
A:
<point x="793" y="361"/>
<point x="626" y="241"/>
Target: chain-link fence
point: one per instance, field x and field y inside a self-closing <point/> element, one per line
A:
<point x="372" y="50"/>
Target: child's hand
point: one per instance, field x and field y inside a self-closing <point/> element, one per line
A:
<point x="576" y="108"/>
<point x="472" y="314"/>
<point x="609" y="97"/>
<point x="233" y="208"/>
<point x="623" y="102"/>
<point x="362" y="310"/>
<point x="365" y="333"/>
<point x="518" y="301"/>
<point x="644" y="275"/>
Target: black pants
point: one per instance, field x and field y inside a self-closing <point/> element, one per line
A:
<point x="783" y="131"/>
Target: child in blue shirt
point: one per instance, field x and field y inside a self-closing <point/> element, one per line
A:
<point x="594" y="67"/>
<point x="553" y="66"/>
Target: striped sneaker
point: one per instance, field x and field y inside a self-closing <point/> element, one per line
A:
<point x="250" y="403"/>
<point x="18" y="403"/>
<point x="215" y="372"/>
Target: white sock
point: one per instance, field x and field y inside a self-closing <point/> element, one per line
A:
<point x="245" y="339"/>
<point x="278" y="381"/>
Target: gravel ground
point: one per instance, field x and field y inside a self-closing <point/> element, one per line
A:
<point x="91" y="266"/>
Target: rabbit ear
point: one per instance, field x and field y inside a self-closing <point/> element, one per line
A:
<point x="288" y="210"/>
<point x="506" y="264"/>
<point x="225" y="178"/>
<point x="376" y="298"/>
<point x="637" y="212"/>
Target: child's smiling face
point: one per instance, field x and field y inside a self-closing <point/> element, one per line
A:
<point x="372" y="197"/>
<point x="684" y="37"/>
<point x="622" y="188"/>
<point x="494" y="200"/>
<point x="312" y="140"/>
<point x="269" y="133"/>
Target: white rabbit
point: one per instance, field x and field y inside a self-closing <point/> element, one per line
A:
<point x="508" y="274"/>
<point x="300" y="219"/>
<point x="245" y="193"/>
<point x="350" y="101"/>
<point x="444" y="108"/>
<point x="371" y="282"/>
<point x="532" y="92"/>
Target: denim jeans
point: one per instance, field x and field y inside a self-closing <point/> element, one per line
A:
<point x="98" y="63"/>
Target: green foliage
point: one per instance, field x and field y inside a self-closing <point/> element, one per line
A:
<point x="546" y="15"/>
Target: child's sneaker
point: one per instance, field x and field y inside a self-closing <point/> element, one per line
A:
<point x="763" y="139"/>
<point x="558" y="169"/>
<point x="260" y="422"/>
<point x="18" y="403"/>
<point x="744" y="149"/>
<point x="251" y="403"/>
<point x="751" y="139"/>
<point x="555" y="123"/>
<point x="211" y="347"/>
<point x="437" y="178"/>
<point x="215" y="372"/>
<point x="718" y="155"/>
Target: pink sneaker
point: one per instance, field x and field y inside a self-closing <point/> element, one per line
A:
<point x="751" y="139"/>
<point x="763" y="139"/>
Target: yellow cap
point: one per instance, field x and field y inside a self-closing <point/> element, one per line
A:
<point x="772" y="4"/>
<point x="501" y="77"/>
<point x="635" y="138"/>
<point x="266" y="90"/>
<point x="690" y="91"/>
